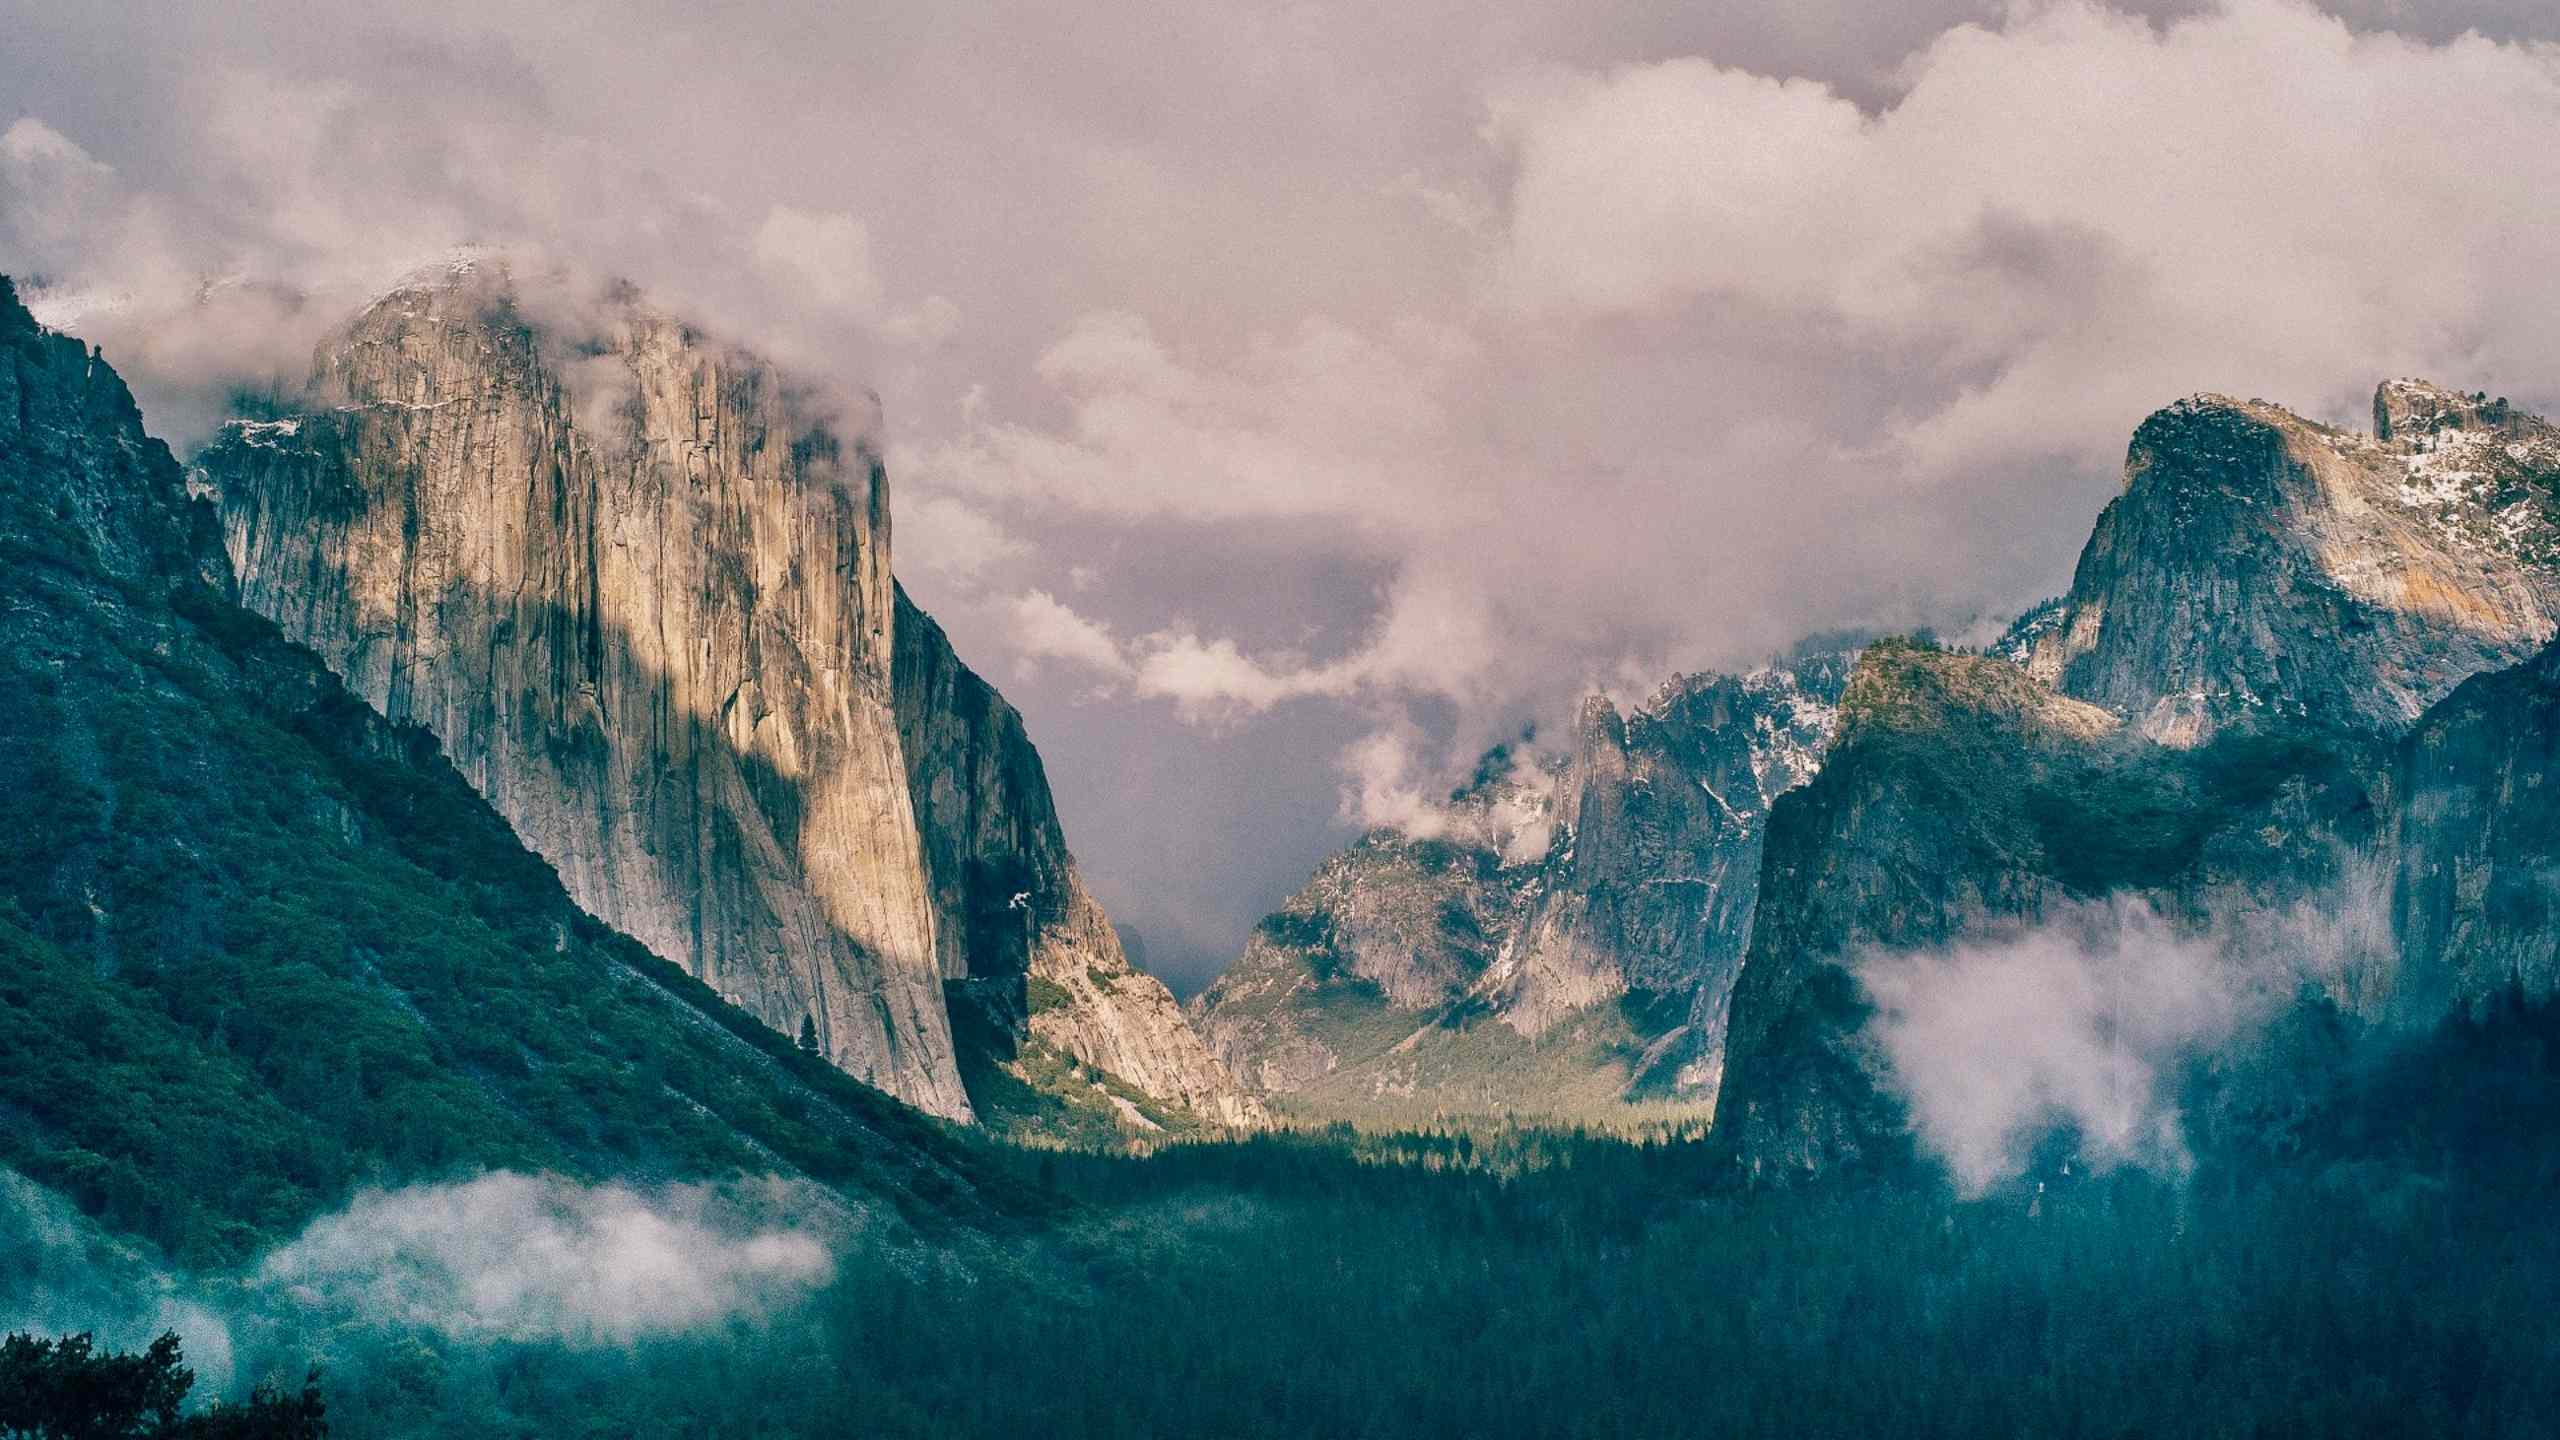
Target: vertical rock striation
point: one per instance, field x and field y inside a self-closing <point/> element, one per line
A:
<point x="263" y="947"/>
<point x="2476" y="904"/>
<point x="640" y="589"/>
<point x="639" y="585"/>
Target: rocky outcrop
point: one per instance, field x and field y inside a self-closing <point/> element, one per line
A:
<point x="1382" y="946"/>
<point x="2260" y="565"/>
<point x="639" y="585"/>
<point x="1020" y="938"/>
<point x="1562" y="939"/>
<point x="2476" y="903"/>
<point x="1658" y="880"/>
<point x="2320" y="630"/>
<point x="1964" y="800"/>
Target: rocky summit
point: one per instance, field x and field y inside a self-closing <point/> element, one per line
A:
<point x="638" y="584"/>
<point x="2298" y="703"/>
<point x="1560" y="939"/>
<point x="2258" y="563"/>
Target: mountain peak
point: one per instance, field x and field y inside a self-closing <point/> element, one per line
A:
<point x="2258" y="562"/>
<point x="2407" y="409"/>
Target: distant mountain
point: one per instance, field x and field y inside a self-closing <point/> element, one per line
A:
<point x="638" y="584"/>
<point x="2305" y="712"/>
<point x="259" y="945"/>
<point x="1562" y="944"/>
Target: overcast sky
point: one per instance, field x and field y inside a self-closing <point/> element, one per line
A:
<point x="1282" y="401"/>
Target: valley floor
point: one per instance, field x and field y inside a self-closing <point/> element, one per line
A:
<point x="2365" y="1254"/>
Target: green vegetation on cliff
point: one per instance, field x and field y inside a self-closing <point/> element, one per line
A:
<point x="258" y="948"/>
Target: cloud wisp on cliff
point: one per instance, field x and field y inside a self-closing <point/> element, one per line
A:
<point x="1254" y="392"/>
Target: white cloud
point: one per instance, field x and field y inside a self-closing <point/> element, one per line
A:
<point x="2089" y="212"/>
<point x="522" y="1257"/>
<point x="948" y="536"/>
<point x="1312" y="423"/>
<point x="824" y="259"/>
<point x="1214" y="679"/>
<point x="1042" y="627"/>
<point x="1996" y="1044"/>
<point x="1382" y="787"/>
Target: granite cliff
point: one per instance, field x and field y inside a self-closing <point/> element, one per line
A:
<point x="262" y="946"/>
<point x="2297" y="704"/>
<point x="1027" y="955"/>
<point x="2261" y="564"/>
<point x="638" y="584"/>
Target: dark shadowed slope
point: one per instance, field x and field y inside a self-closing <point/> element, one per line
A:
<point x="262" y="946"/>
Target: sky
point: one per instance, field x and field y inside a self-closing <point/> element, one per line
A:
<point x="1284" y="401"/>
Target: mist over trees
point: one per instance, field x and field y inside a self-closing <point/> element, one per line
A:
<point x="2359" y="1248"/>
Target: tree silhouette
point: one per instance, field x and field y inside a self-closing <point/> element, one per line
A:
<point x="68" y="1389"/>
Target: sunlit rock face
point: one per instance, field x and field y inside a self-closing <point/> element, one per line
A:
<point x="638" y="584"/>
<point x="2261" y="564"/>
<point x="1560" y="938"/>
<point x="639" y="588"/>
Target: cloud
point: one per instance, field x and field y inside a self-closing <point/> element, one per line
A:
<point x="63" y="1275"/>
<point x="1043" y="628"/>
<point x="521" y="1257"/>
<point x="506" y="1258"/>
<point x="2087" y="211"/>
<point x="824" y="258"/>
<point x="942" y="535"/>
<point x="1996" y="1044"/>
<point x="1206" y="679"/>
<point x="1624" y="337"/>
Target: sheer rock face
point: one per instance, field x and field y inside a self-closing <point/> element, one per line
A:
<point x="1964" y="800"/>
<point x="1597" y="902"/>
<point x="1887" y="848"/>
<point x="640" y="590"/>
<point x="2476" y="903"/>
<point x="83" y="472"/>
<point x="2259" y="564"/>
<point x="2403" y="877"/>
<point x="1013" y="910"/>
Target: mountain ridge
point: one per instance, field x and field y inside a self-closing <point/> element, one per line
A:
<point x="2258" y="560"/>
